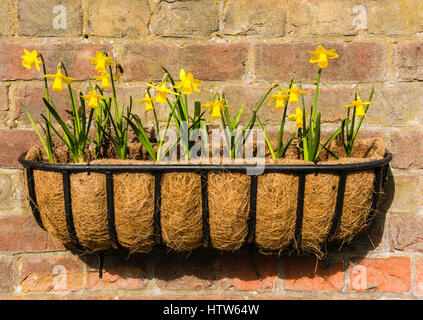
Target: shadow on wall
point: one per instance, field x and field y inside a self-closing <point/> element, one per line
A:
<point x="245" y="269"/>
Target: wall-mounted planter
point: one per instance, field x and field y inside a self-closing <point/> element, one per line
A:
<point x="135" y="205"/>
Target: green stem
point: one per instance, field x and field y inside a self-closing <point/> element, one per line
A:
<point x="316" y="95"/>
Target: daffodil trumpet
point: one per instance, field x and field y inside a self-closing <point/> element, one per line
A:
<point x="349" y="130"/>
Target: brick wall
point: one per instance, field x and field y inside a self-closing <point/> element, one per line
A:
<point x="238" y="47"/>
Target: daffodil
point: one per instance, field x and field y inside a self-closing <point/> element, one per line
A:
<point x="101" y="62"/>
<point x="59" y="78"/>
<point x="104" y="78"/>
<point x="162" y="92"/>
<point x="30" y="59"/>
<point x="293" y="93"/>
<point x="93" y="97"/>
<point x="359" y="106"/>
<point x="188" y="83"/>
<point x="148" y="102"/>
<point x="297" y="117"/>
<point x="321" y="56"/>
<point x="215" y="108"/>
<point x="279" y="99"/>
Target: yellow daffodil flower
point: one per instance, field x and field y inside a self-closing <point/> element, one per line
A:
<point x="93" y="97"/>
<point x="293" y="93"/>
<point x="104" y="78"/>
<point x="279" y="99"/>
<point x="215" y="108"/>
<point x="162" y="92"/>
<point x="188" y="83"/>
<point x="101" y="62"/>
<point x="321" y="56"/>
<point x="147" y="100"/>
<point x="297" y="117"/>
<point x="359" y="106"/>
<point x="30" y="59"/>
<point x="59" y="78"/>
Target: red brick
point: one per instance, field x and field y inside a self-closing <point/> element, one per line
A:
<point x="31" y="23"/>
<point x="13" y="143"/>
<point x="248" y="271"/>
<point x="381" y="275"/>
<point x="6" y="274"/>
<point x="418" y="281"/>
<point x="74" y="56"/>
<point x="31" y="96"/>
<point x="50" y="274"/>
<point x="119" y="272"/>
<point x="357" y="61"/>
<point x="181" y="271"/>
<point x="406" y="233"/>
<point x="300" y="273"/>
<point x="408" y="60"/>
<point x="401" y="144"/>
<point x="218" y="61"/>
<point x="21" y="233"/>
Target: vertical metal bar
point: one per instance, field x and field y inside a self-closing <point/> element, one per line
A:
<point x="205" y="208"/>
<point x="253" y="209"/>
<point x="68" y="208"/>
<point x="300" y="210"/>
<point x="33" y="197"/>
<point x="157" y="206"/>
<point x="339" y="205"/>
<point x="111" y="211"/>
<point x="376" y="193"/>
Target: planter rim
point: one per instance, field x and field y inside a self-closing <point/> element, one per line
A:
<point x="101" y="168"/>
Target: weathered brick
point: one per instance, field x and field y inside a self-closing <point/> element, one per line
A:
<point x="407" y="192"/>
<point x="73" y="55"/>
<point x="50" y="274"/>
<point x="190" y="18"/>
<point x="381" y="275"/>
<point x="357" y="61"/>
<point x="21" y="233"/>
<point x="119" y="272"/>
<point x="405" y="233"/>
<point x="13" y="143"/>
<point x="179" y="271"/>
<point x="400" y="144"/>
<point x="408" y="60"/>
<point x="5" y="21"/>
<point x="6" y="274"/>
<point x="317" y="17"/>
<point x="31" y="96"/>
<point x="261" y="18"/>
<point x="110" y="18"/>
<point x="300" y="273"/>
<point x="418" y="278"/>
<point x="219" y="61"/>
<point x="394" y="16"/>
<point x="258" y="272"/>
<point x="4" y="103"/>
<point x="11" y="191"/>
<point x="50" y="18"/>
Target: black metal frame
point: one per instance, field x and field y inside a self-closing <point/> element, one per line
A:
<point x="380" y="168"/>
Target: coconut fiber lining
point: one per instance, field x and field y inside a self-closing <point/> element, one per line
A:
<point x="228" y="199"/>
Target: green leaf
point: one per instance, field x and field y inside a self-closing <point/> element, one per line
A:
<point x="269" y="145"/>
<point x="64" y="127"/>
